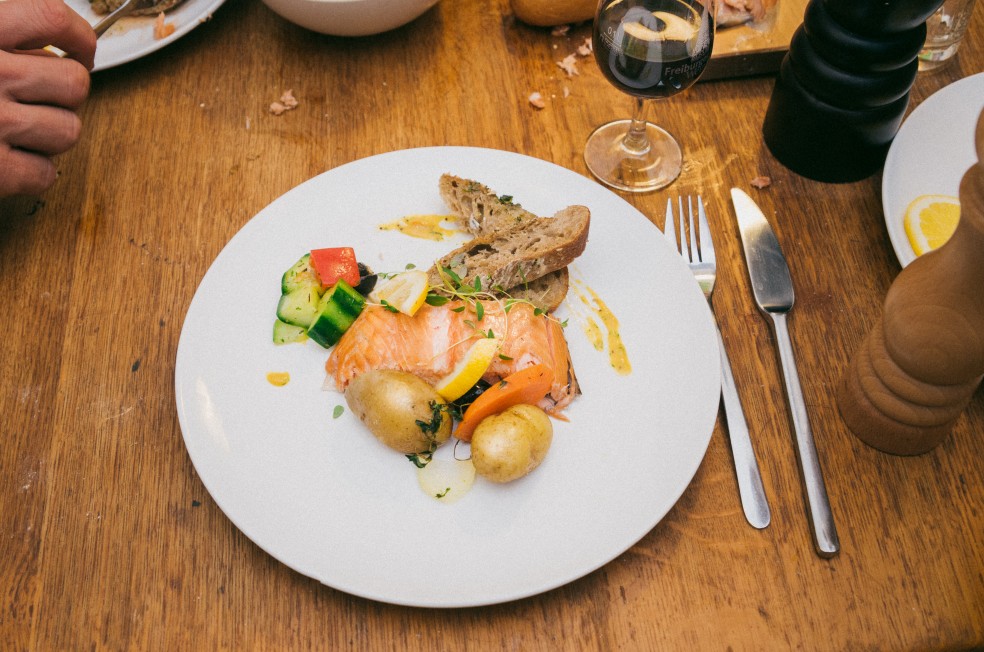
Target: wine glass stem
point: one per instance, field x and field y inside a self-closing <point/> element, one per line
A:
<point x="635" y="140"/>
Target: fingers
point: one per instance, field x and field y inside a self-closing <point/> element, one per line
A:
<point x="29" y="135"/>
<point x="24" y="173"/>
<point x="44" y="129"/>
<point x="38" y="92"/>
<point x="32" y="24"/>
<point x="38" y="79"/>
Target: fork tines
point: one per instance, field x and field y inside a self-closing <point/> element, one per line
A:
<point x="695" y="242"/>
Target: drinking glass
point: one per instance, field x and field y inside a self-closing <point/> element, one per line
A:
<point x="648" y="49"/>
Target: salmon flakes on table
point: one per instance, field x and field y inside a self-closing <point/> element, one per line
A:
<point x="287" y="102"/>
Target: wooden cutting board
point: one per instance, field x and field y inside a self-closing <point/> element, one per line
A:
<point x="755" y="49"/>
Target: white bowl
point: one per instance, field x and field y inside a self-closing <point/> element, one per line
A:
<point x="350" y="17"/>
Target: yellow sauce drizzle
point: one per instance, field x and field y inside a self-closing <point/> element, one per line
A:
<point x="278" y="378"/>
<point x="591" y="328"/>
<point x="618" y="356"/>
<point x="425" y="227"/>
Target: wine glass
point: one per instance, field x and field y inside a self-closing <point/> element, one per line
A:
<point x="648" y="49"/>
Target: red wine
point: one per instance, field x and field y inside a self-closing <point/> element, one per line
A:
<point x="653" y="48"/>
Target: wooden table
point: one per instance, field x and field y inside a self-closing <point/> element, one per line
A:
<point x="110" y="540"/>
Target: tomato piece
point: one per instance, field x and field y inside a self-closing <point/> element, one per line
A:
<point x="335" y="263"/>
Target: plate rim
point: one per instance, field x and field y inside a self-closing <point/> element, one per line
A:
<point x="892" y="213"/>
<point x="204" y="13"/>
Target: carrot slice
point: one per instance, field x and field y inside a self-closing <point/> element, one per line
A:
<point x="528" y="385"/>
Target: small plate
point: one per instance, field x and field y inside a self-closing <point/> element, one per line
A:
<point x="133" y="37"/>
<point x="930" y="154"/>
<point x="323" y="496"/>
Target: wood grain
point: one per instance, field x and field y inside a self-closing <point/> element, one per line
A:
<point x="110" y="540"/>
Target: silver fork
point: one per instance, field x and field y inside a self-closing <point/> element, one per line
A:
<point x="122" y="11"/>
<point x="699" y="255"/>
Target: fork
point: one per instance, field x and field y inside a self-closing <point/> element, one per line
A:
<point x="122" y="11"/>
<point x="699" y="255"/>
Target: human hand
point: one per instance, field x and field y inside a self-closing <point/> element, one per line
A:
<point x="39" y="92"/>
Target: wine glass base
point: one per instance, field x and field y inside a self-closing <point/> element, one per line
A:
<point x="622" y="167"/>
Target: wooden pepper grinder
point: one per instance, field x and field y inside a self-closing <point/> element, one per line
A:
<point x="919" y="367"/>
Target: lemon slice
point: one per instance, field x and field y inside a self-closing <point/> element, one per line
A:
<point x="930" y="221"/>
<point x="406" y="291"/>
<point x="469" y="369"/>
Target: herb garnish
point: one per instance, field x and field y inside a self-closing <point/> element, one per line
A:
<point x="431" y="427"/>
<point x="420" y="460"/>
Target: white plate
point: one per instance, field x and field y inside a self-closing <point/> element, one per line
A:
<point x="133" y="37"/>
<point x="325" y="498"/>
<point x="930" y="154"/>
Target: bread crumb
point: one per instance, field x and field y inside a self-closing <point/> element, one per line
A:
<point x="286" y="103"/>
<point x="536" y="100"/>
<point x="161" y="29"/>
<point x="585" y="48"/>
<point x="569" y="65"/>
<point x="761" y="182"/>
<point x="567" y="92"/>
<point x="560" y="30"/>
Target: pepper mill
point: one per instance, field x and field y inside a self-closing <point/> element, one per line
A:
<point x="919" y="367"/>
<point x="843" y="87"/>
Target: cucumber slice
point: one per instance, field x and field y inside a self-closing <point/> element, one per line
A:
<point x="284" y="333"/>
<point x="337" y="310"/>
<point x="300" y="274"/>
<point x="299" y="306"/>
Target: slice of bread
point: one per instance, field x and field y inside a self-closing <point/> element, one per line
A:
<point x="521" y="253"/>
<point x="546" y="292"/>
<point x="478" y="209"/>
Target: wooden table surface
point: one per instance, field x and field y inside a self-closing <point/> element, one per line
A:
<point x="109" y="538"/>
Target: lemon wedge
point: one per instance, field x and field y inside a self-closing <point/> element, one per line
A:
<point x="405" y="292"/>
<point x="930" y="221"/>
<point x="469" y="370"/>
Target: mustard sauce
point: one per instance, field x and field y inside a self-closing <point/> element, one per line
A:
<point x="590" y="327"/>
<point x="425" y="227"/>
<point x="278" y="378"/>
<point x="618" y="356"/>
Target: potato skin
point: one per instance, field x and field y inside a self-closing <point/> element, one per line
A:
<point x="391" y="402"/>
<point x="508" y="445"/>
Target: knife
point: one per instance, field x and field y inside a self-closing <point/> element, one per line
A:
<point x="773" y="289"/>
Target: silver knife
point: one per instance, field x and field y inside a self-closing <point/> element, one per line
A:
<point x="773" y="289"/>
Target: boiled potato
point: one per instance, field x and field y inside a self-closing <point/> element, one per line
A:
<point x="508" y="445"/>
<point x="391" y="403"/>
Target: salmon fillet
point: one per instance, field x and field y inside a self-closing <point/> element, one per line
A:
<point x="432" y="342"/>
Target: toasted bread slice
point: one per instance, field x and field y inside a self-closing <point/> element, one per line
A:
<point x="478" y="209"/>
<point x="520" y="254"/>
<point x="546" y="292"/>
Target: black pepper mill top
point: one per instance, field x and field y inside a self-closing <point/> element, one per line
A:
<point x="843" y="87"/>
